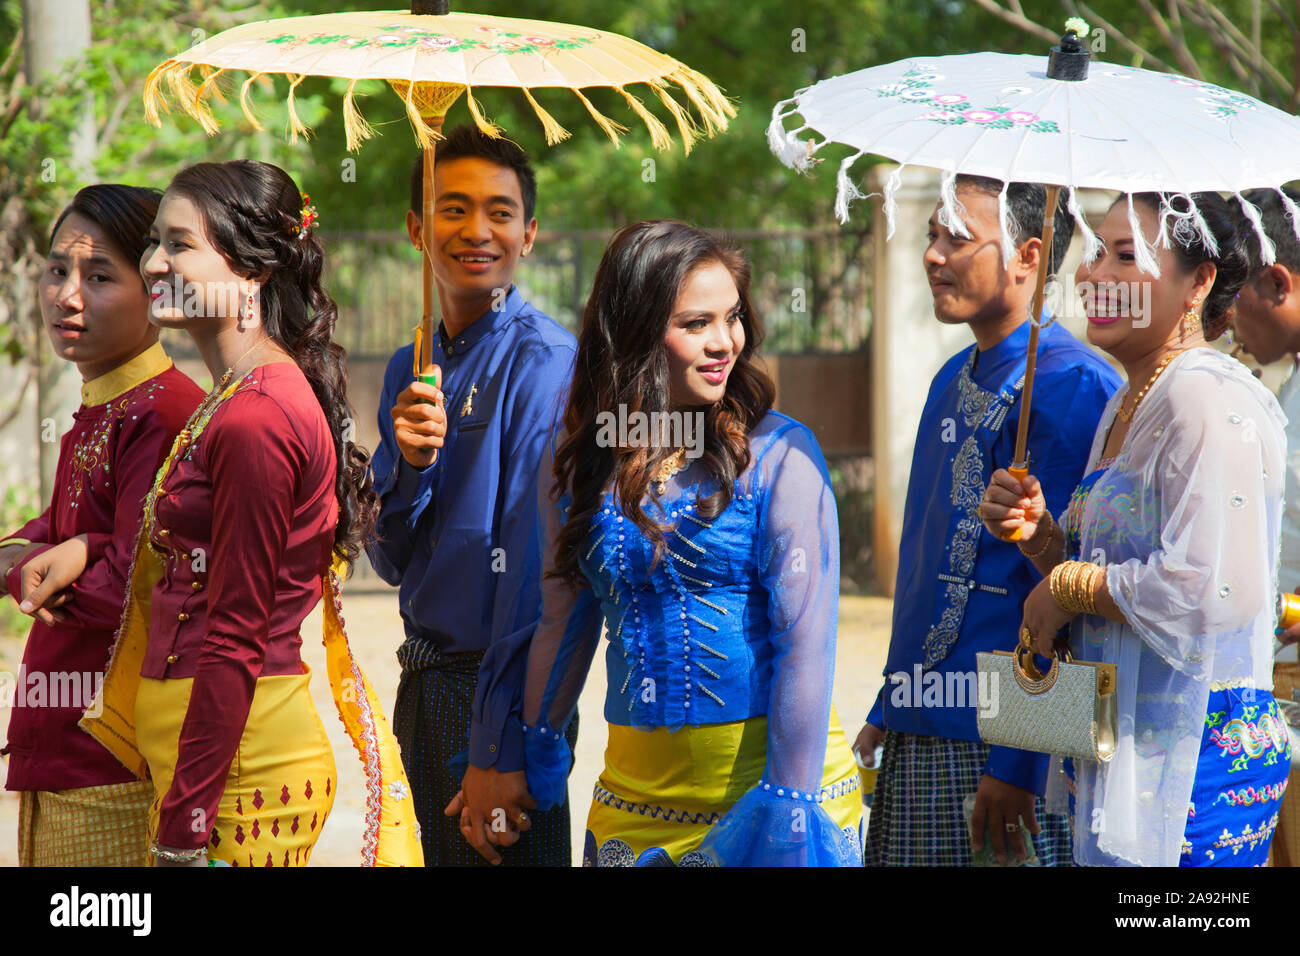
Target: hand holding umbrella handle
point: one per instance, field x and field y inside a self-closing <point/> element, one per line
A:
<point x="1018" y="472"/>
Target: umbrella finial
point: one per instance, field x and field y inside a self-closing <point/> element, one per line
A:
<point x="437" y="8"/>
<point x="1069" y="61"/>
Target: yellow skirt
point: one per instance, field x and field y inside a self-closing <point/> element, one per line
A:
<point x="662" y="791"/>
<point x="88" y="826"/>
<point x="281" y="784"/>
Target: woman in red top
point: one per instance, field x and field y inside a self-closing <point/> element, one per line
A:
<point x="206" y="688"/>
<point x="79" y="806"/>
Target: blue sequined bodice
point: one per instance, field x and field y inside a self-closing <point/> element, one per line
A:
<point x="690" y="639"/>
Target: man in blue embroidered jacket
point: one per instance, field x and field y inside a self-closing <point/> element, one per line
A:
<point x="959" y="589"/>
<point x="456" y="471"/>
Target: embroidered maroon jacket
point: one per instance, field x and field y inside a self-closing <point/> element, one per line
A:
<point x="107" y="461"/>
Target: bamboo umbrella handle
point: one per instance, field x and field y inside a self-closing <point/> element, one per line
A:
<point x="427" y="375"/>
<point x="1019" y="465"/>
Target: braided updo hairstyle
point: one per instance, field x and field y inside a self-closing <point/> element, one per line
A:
<point x="252" y="213"/>
<point x="1231" y="262"/>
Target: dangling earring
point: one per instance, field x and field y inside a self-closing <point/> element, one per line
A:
<point x="247" y="314"/>
<point x="1190" y="322"/>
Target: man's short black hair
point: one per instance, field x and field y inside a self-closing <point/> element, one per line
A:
<point x="1026" y="203"/>
<point x="467" y="140"/>
<point x="1277" y="226"/>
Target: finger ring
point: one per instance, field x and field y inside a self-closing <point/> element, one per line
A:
<point x="1012" y="827"/>
<point x="523" y="818"/>
<point x="1026" y="638"/>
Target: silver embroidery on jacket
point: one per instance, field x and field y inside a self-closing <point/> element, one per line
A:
<point x="979" y="408"/>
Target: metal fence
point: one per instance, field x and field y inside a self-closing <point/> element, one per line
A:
<point x="812" y="287"/>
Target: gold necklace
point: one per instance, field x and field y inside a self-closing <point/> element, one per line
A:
<point x="671" y="466"/>
<point x="1127" y="417"/>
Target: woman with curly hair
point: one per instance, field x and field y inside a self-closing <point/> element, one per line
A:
<point x="711" y="555"/>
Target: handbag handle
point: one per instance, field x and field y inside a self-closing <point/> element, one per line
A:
<point x="1028" y="676"/>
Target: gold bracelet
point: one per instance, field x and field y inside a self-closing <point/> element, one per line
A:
<point x="1056" y="582"/>
<point x="1071" y="584"/>
<point x="1051" y="533"/>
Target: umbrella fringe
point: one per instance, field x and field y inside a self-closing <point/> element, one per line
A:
<point x="1185" y="223"/>
<point x="785" y="144"/>
<point x="244" y="102"/>
<point x="209" y="76"/>
<point x="296" y="126"/>
<point x="485" y="125"/>
<point x="659" y="136"/>
<point x="1143" y="251"/>
<point x="1267" y="251"/>
<point x="1091" y="244"/>
<point x="355" y="126"/>
<point x="951" y="209"/>
<point x="611" y="128"/>
<point x="708" y="99"/>
<point x="425" y="134"/>
<point x="846" y="191"/>
<point x="1293" y="211"/>
<point x="890" y="204"/>
<point x="187" y="94"/>
<point x="685" y="125"/>
<point x="1008" y="240"/>
<point x="153" y="98"/>
<point x="555" y="133"/>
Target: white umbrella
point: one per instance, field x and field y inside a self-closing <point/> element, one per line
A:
<point x="1057" y="122"/>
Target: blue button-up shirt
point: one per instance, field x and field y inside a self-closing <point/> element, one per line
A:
<point x="459" y="537"/>
<point x="960" y="590"/>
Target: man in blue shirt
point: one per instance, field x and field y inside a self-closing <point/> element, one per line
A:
<point x="456" y="472"/>
<point x="959" y="589"/>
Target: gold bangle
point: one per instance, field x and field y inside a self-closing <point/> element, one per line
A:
<point x="1056" y="582"/>
<point x="1051" y="533"/>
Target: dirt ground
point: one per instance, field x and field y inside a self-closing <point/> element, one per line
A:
<point x="375" y="630"/>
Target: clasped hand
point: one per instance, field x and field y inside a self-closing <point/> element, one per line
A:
<point x="493" y="809"/>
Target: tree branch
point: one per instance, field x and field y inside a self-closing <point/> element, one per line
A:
<point x="1094" y="17"/>
<point x="1173" y="39"/>
<point x="1019" y="20"/>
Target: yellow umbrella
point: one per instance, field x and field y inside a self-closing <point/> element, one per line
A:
<point x="430" y="58"/>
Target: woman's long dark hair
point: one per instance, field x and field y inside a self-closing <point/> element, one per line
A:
<point x="622" y="361"/>
<point x="252" y="212"/>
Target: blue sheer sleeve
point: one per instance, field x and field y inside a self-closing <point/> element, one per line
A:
<point x="781" y="822"/>
<point x="559" y="657"/>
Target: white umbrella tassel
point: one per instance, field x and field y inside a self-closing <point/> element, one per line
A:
<point x="1292" y="210"/>
<point x="890" y="204"/>
<point x="1091" y="244"/>
<point x="846" y="191"/>
<point x="1188" y="226"/>
<point x="949" y="216"/>
<point x="788" y="149"/>
<point x="1143" y="251"/>
<point x="1267" y="251"/>
<point x="1004" y="223"/>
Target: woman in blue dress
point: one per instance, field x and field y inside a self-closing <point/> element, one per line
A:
<point x="699" y="527"/>
<point x="1165" y="562"/>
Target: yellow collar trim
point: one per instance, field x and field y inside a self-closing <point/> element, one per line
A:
<point x="149" y="363"/>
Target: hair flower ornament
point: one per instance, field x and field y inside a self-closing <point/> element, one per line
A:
<point x="309" y="218"/>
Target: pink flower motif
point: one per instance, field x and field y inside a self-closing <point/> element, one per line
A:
<point x="540" y="41"/>
<point x="1020" y="116"/>
<point x="509" y="45"/>
<point x="981" y="116"/>
<point x="950" y="98"/>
